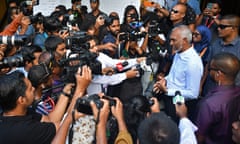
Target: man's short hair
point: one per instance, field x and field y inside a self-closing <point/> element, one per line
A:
<point x="73" y="1"/>
<point x="12" y="86"/>
<point x="52" y="42"/>
<point x="39" y="74"/>
<point x="158" y="129"/>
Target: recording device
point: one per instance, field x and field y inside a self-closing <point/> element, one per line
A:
<point x="132" y="36"/>
<point x="64" y="29"/>
<point x="83" y="103"/>
<point x="120" y="66"/>
<point x="81" y="57"/>
<point x="18" y="40"/>
<point x="18" y="59"/>
<point x="178" y="98"/>
<point x="38" y="18"/>
<point x="69" y="19"/>
<point x="77" y="42"/>
<point x="154" y="28"/>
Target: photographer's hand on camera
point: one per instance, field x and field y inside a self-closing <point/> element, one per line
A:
<point x="64" y="34"/>
<point x="155" y="108"/>
<point x="83" y="79"/>
<point x="67" y="90"/>
<point x="117" y="112"/>
<point x="101" y="116"/>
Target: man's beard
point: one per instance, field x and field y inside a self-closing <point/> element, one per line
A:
<point x="114" y="33"/>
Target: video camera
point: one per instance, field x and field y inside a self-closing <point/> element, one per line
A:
<point x="17" y="60"/>
<point x="38" y="18"/>
<point x="132" y="36"/>
<point x="83" y="103"/>
<point x="81" y="57"/>
<point x="154" y="28"/>
<point x="77" y="41"/>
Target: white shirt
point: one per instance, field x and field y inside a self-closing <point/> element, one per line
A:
<point x="99" y="81"/>
<point x="185" y="74"/>
<point x="187" y="129"/>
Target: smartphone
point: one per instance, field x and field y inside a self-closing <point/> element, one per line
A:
<point x="147" y="3"/>
<point x="209" y="6"/>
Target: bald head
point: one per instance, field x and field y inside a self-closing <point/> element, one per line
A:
<point x="227" y="63"/>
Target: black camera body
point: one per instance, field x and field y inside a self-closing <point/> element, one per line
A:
<point x="38" y="18"/>
<point x="154" y="28"/>
<point x="132" y="36"/>
<point x="18" y="59"/>
<point x="83" y="103"/>
<point x="77" y="41"/>
<point x="83" y="57"/>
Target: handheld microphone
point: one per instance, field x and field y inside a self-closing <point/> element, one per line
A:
<point x="178" y="98"/>
<point x="120" y="66"/>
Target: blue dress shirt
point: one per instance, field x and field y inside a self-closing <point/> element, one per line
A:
<point x="185" y="74"/>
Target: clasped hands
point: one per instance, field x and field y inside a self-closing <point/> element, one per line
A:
<point x="160" y="85"/>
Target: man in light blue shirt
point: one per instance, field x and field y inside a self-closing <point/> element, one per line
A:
<point x="185" y="73"/>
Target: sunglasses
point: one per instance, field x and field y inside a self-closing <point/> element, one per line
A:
<point x="174" y="11"/>
<point x="215" y="69"/>
<point x="221" y="26"/>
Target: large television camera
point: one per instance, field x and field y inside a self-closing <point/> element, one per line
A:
<point x="78" y="59"/>
<point x="77" y="41"/>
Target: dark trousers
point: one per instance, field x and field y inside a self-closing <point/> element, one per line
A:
<point x="171" y="111"/>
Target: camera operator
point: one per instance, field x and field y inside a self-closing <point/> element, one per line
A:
<point x="41" y="78"/>
<point x="56" y="48"/>
<point x="100" y="81"/>
<point x="135" y="29"/>
<point x="54" y="27"/>
<point x="83" y="78"/>
<point x="78" y="12"/>
<point x="31" y="55"/>
<point x="19" y="124"/>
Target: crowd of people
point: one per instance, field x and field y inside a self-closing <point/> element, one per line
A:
<point x="168" y="74"/>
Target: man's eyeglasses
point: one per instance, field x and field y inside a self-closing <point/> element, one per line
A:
<point x="174" y="11"/>
<point x="221" y="26"/>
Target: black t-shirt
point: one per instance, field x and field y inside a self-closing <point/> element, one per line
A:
<point x="26" y="130"/>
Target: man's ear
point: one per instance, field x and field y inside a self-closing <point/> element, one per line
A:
<point x="20" y="100"/>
